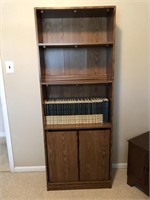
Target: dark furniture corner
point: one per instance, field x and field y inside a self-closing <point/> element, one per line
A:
<point x="138" y="162"/>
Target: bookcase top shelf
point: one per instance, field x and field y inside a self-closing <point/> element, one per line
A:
<point x="67" y="12"/>
<point x="85" y="26"/>
<point x="77" y="126"/>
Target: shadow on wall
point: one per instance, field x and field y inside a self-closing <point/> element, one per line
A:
<point x="117" y="90"/>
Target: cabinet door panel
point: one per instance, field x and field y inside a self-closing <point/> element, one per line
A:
<point x="62" y="156"/>
<point x="137" y="163"/>
<point x="94" y="149"/>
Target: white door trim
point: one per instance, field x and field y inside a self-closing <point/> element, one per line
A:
<point x="6" y="121"/>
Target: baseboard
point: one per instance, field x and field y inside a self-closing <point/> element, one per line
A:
<point x="120" y="166"/>
<point x="42" y="168"/>
<point x="30" y="169"/>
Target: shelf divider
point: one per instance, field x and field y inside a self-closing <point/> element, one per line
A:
<point x="75" y="45"/>
<point x="78" y="126"/>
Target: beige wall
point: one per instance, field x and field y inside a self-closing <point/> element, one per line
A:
<point x="1" y="119"/>
<point x="22" y="88"/>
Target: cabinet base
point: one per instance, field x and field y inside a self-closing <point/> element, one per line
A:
<point x="79" y="185"/>
<point x="132" y="181"/>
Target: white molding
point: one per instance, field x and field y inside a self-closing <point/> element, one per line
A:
<point x="2" y="134"/>
<point x="43" y="168"/>
<point x="120" y="166"/>
<point x="30" y="169"/>
<point x="6" y="121"/>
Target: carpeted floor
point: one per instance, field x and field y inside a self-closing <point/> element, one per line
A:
<point x="32" y="186"/>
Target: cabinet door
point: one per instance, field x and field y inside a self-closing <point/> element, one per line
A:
<point x="137" y="164"/>
<point x="94" y="150"/>
<point x="62" y="156"/>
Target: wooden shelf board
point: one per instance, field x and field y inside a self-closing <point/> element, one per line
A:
<point x="73" y="80"/>
<point x="75" y="45"/>
<point x="80" y="185"/>
<point x="77" y="82"/>
<point x="77" y="126"/>
<point x="90" y="11"/>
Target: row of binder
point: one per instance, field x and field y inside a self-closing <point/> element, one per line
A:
<point x="76" y="110"/>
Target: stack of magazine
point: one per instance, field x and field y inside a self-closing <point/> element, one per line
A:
<point x="76" y="111"/>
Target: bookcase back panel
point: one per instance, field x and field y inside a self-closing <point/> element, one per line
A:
<point x="76" y="61"/>
<point x="72" y="30"/>
<point x="74" y="91"/>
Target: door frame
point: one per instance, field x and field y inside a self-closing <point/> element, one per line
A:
<point x="6" y="121"/>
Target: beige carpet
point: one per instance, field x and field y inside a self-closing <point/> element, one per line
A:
<point x="4" y="164"/>
<point x="32" y="186"/>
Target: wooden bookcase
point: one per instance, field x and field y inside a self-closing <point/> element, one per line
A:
<point x="76" y="56"/>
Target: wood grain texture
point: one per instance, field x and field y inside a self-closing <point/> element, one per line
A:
<point x="94" y="147"/>
<point x="62" y="156"/>
<point x="77" y="30"/>
<point x="78" y="126"/>
<point x="81" y="81"/>
<point x="74" y="91"/>
<point x="80" y="185"/>
<point x="91" y="61"/>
